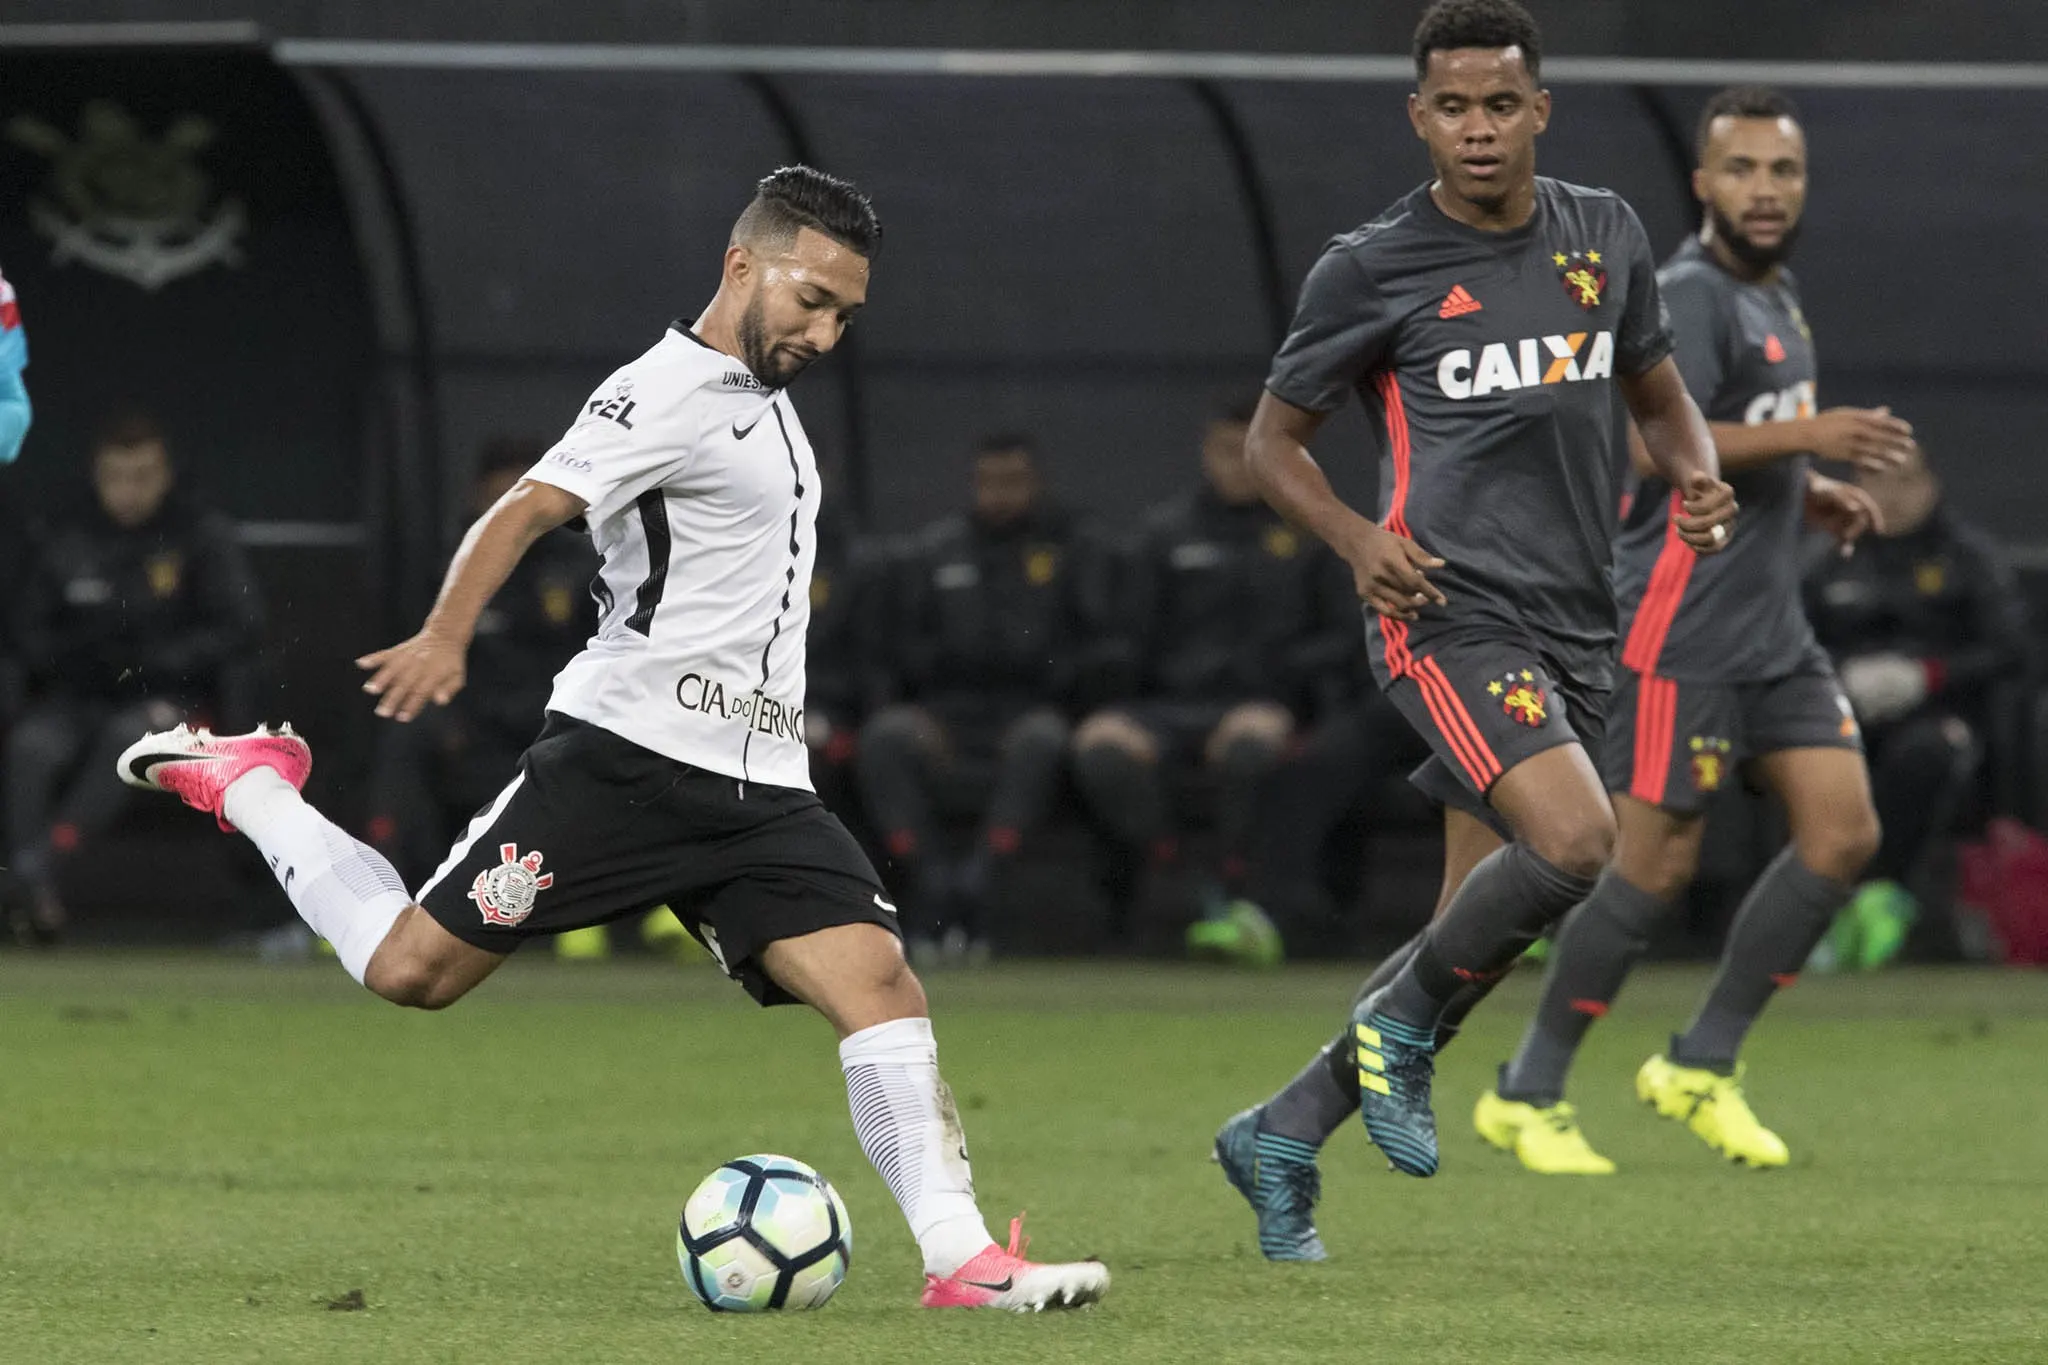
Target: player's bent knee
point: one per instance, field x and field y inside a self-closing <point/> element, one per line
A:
<point x="1580" y="847"/>
<point x="1667" y="875"/>
<point x="1841" y="851"/>
<point x="898" y="727"/>
<point x="1115" y="731"/>
<point x="1259" y="722"/>
<point x="414" y="982"/>
<point x="1039" y="732"/>
<point x="1661" y="867"/>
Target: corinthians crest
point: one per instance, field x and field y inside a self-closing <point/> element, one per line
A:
<point x="135" y="207"/>
<point x="506" y="893"/>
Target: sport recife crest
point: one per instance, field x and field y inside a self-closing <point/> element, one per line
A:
<point x="1584" y="276"/>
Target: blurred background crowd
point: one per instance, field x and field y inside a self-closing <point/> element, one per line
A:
<point x="305" y="297"/>
<point x="1058" y="733"/>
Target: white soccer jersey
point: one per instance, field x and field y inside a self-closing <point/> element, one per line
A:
<point x="703" y="496"/>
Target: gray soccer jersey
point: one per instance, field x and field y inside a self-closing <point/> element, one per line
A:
<point x="1747" y="356"/>
<point x="1489" y="360"/>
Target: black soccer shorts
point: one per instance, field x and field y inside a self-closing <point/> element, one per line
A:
<point x="1677" y="743"/>
<point x="595" y="828"/>
<point x="1486" y="700"/>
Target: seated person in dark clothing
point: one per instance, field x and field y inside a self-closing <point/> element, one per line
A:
<point x="139" y="611"/>
<point x="1330" y="780"/>
<point x="842" y="676"/>
<point x="1242" y="629"/>
<point x="430" y="776"/>
<point x="985" y="638"/>
<point x="1924" y="623"/>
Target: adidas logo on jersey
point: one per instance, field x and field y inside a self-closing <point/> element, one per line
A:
<point x="1524" y="364"/>
<point x="1458" y="303"/>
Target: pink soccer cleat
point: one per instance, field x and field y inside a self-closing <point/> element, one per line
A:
<point x="198" y="765"/>
<point x="999" y="1278"/>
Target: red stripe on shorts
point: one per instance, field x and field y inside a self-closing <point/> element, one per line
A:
<point x="1656" y="714"/>
<point x="1457" y="724"/>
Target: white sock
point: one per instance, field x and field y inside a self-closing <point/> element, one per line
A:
<point x="348" y="893"/>
<point x="908" y="1126"/>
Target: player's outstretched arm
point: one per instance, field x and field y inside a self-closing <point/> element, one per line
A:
<point x="1869" y="438"/>
<point x="16" y="414"/>
<point x="1681" y="449"/>
<point x="429" y="666"/>
<point x="1387" y="569"/>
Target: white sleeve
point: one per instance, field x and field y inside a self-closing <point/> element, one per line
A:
<point x="633" y="434"/>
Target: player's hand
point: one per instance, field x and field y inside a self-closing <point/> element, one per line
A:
<point x="1869" y="438"/>
<point x="1843" y="510"/>
<point x="1389" y="572"/>
<point x="1706" y="517"/>
<point x="404" y="678"/>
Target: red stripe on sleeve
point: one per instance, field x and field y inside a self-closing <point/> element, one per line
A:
<point x="1394" y="633"/>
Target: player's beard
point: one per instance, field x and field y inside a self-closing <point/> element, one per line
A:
<point x="1749" y="253"/>
<point x="774" y="368"/>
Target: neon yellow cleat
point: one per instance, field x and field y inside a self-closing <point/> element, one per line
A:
<point x="1546" y="1141"/>
<point x="1713" y="1106"/>
<point x="592" y="944"/>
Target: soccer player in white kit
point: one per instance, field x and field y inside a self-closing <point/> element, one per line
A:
<point x="672" y="769"/>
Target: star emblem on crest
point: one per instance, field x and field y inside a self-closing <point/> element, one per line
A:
<point x="1583" y="276"/>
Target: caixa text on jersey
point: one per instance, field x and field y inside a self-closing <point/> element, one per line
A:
<point x="755" y="709"/>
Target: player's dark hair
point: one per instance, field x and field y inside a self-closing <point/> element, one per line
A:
<point x="1451" y="24"/>
<point x="128" y="426"/>
<point x="501" y="453"/>
<point x="1005" y="443"/>
<point x="1741" y="101"/>
<point x="797" y="197"/>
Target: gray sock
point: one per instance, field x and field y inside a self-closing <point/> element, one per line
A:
<point x="1511" y="896"/>
<point x="1319" y="1100"/>
<point x="1783" y="916"/>
<point x="1324" y="1095"/>
<point x="1602" y="940"/>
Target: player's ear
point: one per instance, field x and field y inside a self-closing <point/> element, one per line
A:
<point x="1415" y="114"/>
<point x="1541" y="106"/>
<point x="1699" y="183"/>
<point x="739" y="265"/>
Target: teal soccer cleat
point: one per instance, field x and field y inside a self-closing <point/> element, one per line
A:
<point x="1396" y="1062"/>
<point x="1278" y="1178"/>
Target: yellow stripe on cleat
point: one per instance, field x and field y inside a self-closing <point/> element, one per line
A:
<point x="1376" y="1084"/>
<point x="1369" y="1036"/>
<point x="1370" y="1059"/>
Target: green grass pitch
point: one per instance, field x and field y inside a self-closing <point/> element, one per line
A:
<point x="206" y="1160"/>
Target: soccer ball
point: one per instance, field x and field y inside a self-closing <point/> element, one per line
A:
<point x="764" y="1232"/>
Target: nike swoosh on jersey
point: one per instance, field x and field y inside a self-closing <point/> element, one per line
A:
<point x="739" y="435"/>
